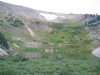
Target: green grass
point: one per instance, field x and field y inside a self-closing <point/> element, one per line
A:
<point x="3" y="24"/>
<point x="74" y="24"/>
<point x="23" y="36"/>
<point x="75" y="36"/>
<point x="49" y="67"/>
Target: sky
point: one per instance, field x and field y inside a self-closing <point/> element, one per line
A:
<point x="61" y="6"/>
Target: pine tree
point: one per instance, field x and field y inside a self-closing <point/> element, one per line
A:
<point x="3" y="41"/>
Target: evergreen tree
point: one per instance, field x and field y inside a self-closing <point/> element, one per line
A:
<point x="3" y="41"/>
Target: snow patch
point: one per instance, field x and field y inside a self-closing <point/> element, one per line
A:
<point x="49" y="16"/>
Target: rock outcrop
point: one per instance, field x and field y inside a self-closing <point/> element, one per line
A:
<point x="3" y="52"/>
<point x="96" y="52"/>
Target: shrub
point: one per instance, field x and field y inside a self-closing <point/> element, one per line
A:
<point x="17" y="23"/>
<point x="6" y="69"/>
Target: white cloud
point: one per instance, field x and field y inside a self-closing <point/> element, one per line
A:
<point x="61" y="6"/>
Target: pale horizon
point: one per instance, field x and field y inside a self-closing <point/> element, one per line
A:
<point x="61" y="6"/>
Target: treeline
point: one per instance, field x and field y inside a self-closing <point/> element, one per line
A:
<point x="95" y="19"/>
<point x="14" y="22"/>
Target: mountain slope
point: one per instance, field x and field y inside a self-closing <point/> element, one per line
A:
<point x="24" y="12"/>
<point x="28" y="31"/>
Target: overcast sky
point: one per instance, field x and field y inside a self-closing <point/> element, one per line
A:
<point x="61" y="6"/>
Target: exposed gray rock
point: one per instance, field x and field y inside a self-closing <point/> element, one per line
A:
<point x="3" y="52"/>
<point x="16" y="45"/>
<point x="10" y="50"/>
<point x="96" y="52"/>
<point x="32" y="44"/>
<point x="94" y="34"/>
<point x="15" y="53"/>
<point x="49" y="50"/>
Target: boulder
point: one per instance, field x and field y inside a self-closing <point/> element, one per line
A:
<point x="96" y="52"/>
<point x="3" y="52"/>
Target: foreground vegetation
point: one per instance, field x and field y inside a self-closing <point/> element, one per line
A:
<point x="49" y="67"/>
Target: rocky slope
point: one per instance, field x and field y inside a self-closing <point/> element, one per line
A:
<point x="24" y="12"/>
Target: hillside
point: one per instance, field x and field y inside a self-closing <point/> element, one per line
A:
<point x="40" y="45"/>
<point x="28" y="13"/>
<point x="26" y="28"/>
